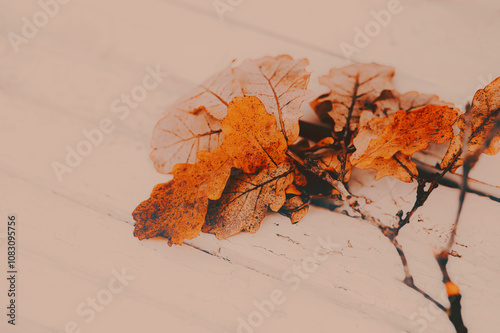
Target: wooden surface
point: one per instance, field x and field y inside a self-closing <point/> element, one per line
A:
<point x="74" y="235"/>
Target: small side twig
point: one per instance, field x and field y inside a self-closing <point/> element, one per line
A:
<point x="453" y="180"/>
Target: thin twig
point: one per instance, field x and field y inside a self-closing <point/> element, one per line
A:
<point x="453" y="291"/>
<point x="469" y="162"/>
<point x="453" y="180"/>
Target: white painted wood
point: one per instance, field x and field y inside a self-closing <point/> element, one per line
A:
<point x="74" y="233"/>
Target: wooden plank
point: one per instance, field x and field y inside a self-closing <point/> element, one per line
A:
<point x="65" y="80"/>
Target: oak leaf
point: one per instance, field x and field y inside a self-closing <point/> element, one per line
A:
<point x="391" y="101"/>
<point x="357" y="90"/>
<point x="399" y="166"/>
<point x="482" y="115"/>
<point x="246" y="199"/>
<point x="176" y="210"/>
<point x="252" y="138"/>
<point x="258" y="148"/>
<point x="188" y="126"/>
<point x="380" y="139"/>
<point x="328" y="159"/>
<point x="281" y="84"/>
<point x="352" y="89"/>
<point x="295" y="207"/>
<point x="180" y="135"/>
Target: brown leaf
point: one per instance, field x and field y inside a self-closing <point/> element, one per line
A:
<point x="213" y="95"/>
<point x="246" y="200"/>
<point x="482" y="116"/>
<point x="399" y="166"/>
<point x="405" y="133"/>
<point x="352" y="89"/>
<point x="252" y="138"/>
<point x="364" y="90"/>
<point x="391" y="101"/>
<point x="180" y="135"/>
<point x="295" y="207"/>
<point x="370" y="128"/>
<point x="176" y="210"/>
<point x="328" y="159"/>
<point x="188" y="126"/>
<point x="292" y="189"/>
<point x="299" y="179"/>
<point x="281" y="84"/>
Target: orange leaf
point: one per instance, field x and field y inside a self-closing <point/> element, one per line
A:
<point x="399" y="166"/>
<point x="246" y="200"/>
<point x="328" y="159"/>
<point x="391" y="101"/>
<point x="405" y="132"/>
<point x="176" y="210"/>
<point x="281" y="84"/>
<point x="180" y="135"/>
<point x="352" y="89"/>
<point x="252" y="138"/>
<point x="295" y="208"/>
<point x="482" y="116"/>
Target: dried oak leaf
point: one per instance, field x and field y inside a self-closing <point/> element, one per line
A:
<point x="391" y="101"/>
<point x="189" y="126"/>
<point x="328" y="159"/>
<point x="246" y="199"/>
<point x="352" y="89"/>
<point x="258" y="148"/>
<point x="176" y="210"/>
<point x="370" y="127"/>
<point x="281" y="84"/>
<point x="180" y="135"/>
<point x="295" y="207"/>
<point x="192" y="123"/>
<point x="482" y="115"/>
<point x="364" y="89"/>
<point x="399" y="166"/>
<point x="252" y="138"/>
<point x="386" y="144"/>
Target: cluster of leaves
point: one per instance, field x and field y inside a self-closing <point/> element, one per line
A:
<point x="232" y="145"/>
<point x="376" y="127"/>
<point x="225" y="143"/>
